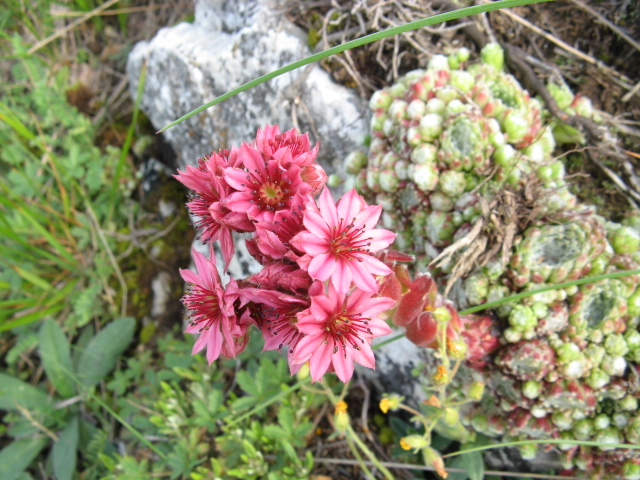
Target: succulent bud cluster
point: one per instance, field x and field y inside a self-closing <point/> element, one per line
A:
<point x="444" y="140"/>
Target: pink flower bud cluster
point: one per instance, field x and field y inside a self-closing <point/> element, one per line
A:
<point x="321" y="292"/>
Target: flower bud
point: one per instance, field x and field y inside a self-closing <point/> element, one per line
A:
<point x="442" y="315"/>
<point x="416" y="442"/>
<point x="476" y="391"/>
<point x="561" y="94"/>
<point x="433" y="401"/>
<point x="616" y="345"/>
<point x="341" y="417"/>
<point x="441" y="377"/>
<point x="434" y="459"/>
<point x="390" y="402"/>
<point x="462" y="80"/>
<point x="451" y="416"/>
<point x="457" y="349"/>
<point x="528" y="451"/>
<point x="303" y="372"/>
<point x="463" y="54"/>
<point x="315" y="176"/>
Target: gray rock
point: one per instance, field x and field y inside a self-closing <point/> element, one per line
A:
<point x="229" y="44"/>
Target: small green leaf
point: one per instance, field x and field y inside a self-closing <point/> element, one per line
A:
<point x="474" y="465"/>
<point x="64" y="451"/>
<point x="102" y="352"/>
<point x="14" y="392"/>
<point x="56" y="358"/>
<point x="16" y="457"/>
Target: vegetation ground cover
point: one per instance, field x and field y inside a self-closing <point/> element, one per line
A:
<point x="80" y="285"/>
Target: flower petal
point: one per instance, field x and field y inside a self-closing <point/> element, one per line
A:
<point x="343" y="364"/>
<point x="362" y="278"/>
<point x="316" y="224"/>
<point x="320" y="360"/>
<point x="368" y="217"/>
<point x="373" y="265"/>
<point x="328" y="208"/>
<point x="364" y="356"/>
<point x="350" y="205"/>
<point x="306" y="347"/>
<point x="322" y="266"/>
<point x="312" y="244"/>
<point x="341" y="278"/>
<point x="380" y="238"/>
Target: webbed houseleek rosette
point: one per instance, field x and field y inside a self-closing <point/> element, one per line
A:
<point x="445" y="141"/>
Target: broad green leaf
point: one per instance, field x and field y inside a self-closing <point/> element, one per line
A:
<point x="64" y="452"/>
<point x="102" y="352"/>
<point x="14" y="392"/>
<point x="16" y="457"/>
<point x="474" y="465"/>
<point x="56" y="358"/>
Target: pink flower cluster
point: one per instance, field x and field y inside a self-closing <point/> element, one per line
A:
<point x="320" y="292"/>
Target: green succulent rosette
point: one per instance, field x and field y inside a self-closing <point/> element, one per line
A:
<point x="445" y="141"/>
<point x="555" y="253"/>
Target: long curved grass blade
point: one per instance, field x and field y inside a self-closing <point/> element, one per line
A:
<point x="530" y="293"/>
<point x="518" y="296"/>
<point x="551" y="441"/>
<point x="407" y="27"/>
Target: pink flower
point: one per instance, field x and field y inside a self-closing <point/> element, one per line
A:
<point x="263" y="187"/>
<point x="339" y="330"/>
<point x="209" y="189"/>
<point x="271" y="240"/>
<point x="340" y="242"/>
<point x="288" y="147"/>
<point x="212" y="311"/>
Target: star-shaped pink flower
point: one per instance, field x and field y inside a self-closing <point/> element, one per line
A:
<point x="263" y="187"/>
<point x="340" y="241"/>
<point x="339" y="330"/>
<point x="212" y="312"/>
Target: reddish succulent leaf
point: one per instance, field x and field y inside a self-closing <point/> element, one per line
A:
<point x="422" y="294"/>
<point x="423" y="331"/>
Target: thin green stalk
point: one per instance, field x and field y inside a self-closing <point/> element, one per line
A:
<point x="530" y="293"/>
<point x="370" y="455"/>
<point x="443" y="17"/>
<point x="128" y="139"/>
<point x="551" y="441"/>
<point x="356" y="454"/>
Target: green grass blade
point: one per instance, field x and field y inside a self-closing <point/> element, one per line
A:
<point x="443" y="17"/>
<point x="549" y="441"/>
<point x="582" y="281"/>
<point x="128" y="139"/>
<point x="30" y="317"/>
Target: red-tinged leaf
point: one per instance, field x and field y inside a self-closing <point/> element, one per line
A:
<point x="403" y="276"/>
<point x="422" y="293"/>
<point x="397" y="256"/>
<point x="391" y="287"/>
<point x="423" y="331"/>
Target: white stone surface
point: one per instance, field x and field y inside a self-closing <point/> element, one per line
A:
<point x="229" y="44"/>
